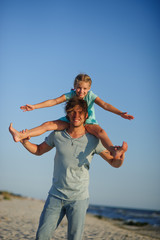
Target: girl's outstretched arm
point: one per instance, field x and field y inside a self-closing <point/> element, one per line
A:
<point x="48" y="103"/>
<point x="110" y="108"/>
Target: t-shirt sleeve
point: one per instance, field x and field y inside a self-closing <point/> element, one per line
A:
<point x="99" y="148"/>
<point x="70" y="94"/>
<point x="93" y="96"/>
<point x="50" y="139"/>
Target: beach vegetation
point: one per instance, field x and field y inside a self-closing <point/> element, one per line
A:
<point x="8" y="195"/>
<point x="137" y="224"/>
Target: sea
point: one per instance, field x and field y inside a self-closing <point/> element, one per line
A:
<point x="130" y="216"/>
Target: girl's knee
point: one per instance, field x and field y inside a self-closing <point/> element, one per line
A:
<point x="100" y="132"/>
<point x="55" y="125"/>
<point x="47" y="123"/>
<point x="95" y="130"/>
<point x="47" y="126"/>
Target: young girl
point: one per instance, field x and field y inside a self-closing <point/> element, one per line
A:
<point x="82" y="85"/>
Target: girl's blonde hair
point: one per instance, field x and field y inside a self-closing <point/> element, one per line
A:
<point x="82" y="78"/>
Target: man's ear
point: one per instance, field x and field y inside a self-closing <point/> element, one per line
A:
<point x="86" y="115"/>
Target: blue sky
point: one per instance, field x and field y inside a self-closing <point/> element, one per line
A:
<point x="43" y="46"/>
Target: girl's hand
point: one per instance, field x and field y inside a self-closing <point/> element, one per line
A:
<point x="126" y="116"/>
<point x="27" y="107"/>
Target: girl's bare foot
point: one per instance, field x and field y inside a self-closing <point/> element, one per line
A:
<point x="120" y="150"/>
<point x="17" y="136"/>
<point x="124" y="147"/>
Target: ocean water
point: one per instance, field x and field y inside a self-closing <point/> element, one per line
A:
<point x="128" y="215"/>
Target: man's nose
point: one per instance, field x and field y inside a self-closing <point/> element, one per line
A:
<point x="76" y="114"/>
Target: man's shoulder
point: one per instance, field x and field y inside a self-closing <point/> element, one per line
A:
<point x="91" y="136"/>
<point x="50" y="139"/>
<point x="95" y="142"/>
<point x="55" y="134"/>
<point x="92" y="139"/>
<point x="53" y="137"/>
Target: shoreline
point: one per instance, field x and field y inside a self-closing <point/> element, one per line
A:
<point x="20" y="216"/>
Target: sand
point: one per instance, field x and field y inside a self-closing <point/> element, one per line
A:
<point x="19" y="221"/>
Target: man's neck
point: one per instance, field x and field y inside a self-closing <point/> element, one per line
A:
<point x="76" y="132"/>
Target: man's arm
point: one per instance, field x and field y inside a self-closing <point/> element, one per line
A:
<point x="36" y="149"/>
<point x="110" y="159"/>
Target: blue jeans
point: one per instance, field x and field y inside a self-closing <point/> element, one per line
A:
<point x="54" y="211"/>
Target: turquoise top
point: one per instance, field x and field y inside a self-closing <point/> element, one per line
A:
<point x="71" y="164"/>
<point x="89" y="98"/>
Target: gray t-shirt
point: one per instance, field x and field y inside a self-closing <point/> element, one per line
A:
<point x="71" y="164"/>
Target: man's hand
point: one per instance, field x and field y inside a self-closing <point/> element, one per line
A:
<point x="27" y="107"/>
<point x="26" y="139"/>
<point x="126" y="116"/>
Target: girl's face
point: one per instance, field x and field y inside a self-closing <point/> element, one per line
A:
<point x="82" y="89"/>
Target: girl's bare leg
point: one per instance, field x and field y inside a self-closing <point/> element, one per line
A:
<point x="97" y="131"/>
<point x="37" y="131"/>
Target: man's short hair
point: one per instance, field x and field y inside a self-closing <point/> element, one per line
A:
<point x="76" y="101"/>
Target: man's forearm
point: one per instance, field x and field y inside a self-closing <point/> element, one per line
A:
<point x="110" y="159"/>
<point x="32" y="148"/>
<point x="117" y="162"/>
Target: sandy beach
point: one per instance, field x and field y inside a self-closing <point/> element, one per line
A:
<point x="19" y="221"/>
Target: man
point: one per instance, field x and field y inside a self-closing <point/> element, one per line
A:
<point x="69" y="192"/>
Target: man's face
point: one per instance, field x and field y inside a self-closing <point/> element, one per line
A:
<point x="77" y="117"/>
